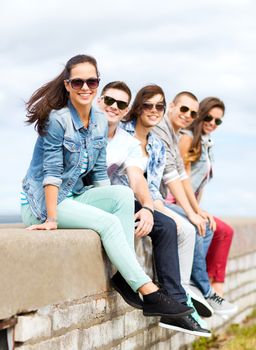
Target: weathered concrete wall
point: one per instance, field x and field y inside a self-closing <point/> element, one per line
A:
<point x="64" y="277"/>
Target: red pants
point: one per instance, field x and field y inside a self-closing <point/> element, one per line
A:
<point x="217" y="255"/>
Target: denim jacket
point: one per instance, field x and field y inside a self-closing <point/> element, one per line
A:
<point x="58" y="156"/>
<point x="201" y="170"/>
<point x="156" y="163"/>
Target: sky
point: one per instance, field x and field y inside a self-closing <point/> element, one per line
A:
<point x="206" y="47"/>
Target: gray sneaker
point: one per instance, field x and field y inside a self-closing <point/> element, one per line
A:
<point x="221" y="306"/>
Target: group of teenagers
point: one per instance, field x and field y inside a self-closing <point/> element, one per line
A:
<point x="128" y="172"/>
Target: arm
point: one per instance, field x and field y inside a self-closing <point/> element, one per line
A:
<point x="139" y="186"/>
<point x="185" y="143"/>
<point x="178" y="191"/>
<point x="53" y="169"/>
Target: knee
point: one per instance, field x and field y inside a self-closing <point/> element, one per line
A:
<point x="121" y="190"/>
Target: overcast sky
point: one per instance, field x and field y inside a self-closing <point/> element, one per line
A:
<point x="207" y="47"/>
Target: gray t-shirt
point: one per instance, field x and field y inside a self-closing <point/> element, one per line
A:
<point x="174" y="168"/>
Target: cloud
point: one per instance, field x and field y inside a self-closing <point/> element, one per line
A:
<point x="207" y="47"/>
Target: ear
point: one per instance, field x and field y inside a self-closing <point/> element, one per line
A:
<point x="66" y="84"/>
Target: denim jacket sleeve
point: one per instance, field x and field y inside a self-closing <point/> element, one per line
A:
<point x="53" y="153"/>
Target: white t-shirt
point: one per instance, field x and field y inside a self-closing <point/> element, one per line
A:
<point x="123" y="151"/>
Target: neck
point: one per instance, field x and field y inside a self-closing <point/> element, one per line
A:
<point x="141" y="132"/>
<point x="83" y="112"/>
<point x="175" y="128"/>
<point x="112" y="130"/>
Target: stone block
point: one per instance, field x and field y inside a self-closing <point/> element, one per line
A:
<point x="68" y="341"/>
<point x="31" y="327"/>
<point x="98" y="336"/>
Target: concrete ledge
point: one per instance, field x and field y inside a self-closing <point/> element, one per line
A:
<point x="64" y="277"/>
<point x="41" y="268"/>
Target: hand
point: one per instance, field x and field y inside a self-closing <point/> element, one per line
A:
<point x="146" y="222"/>
<point x="199" y="222"/>
<point x="44" y="226"/>
<point x="209" y="217"/>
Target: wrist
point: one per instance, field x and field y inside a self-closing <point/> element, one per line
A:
<point x="149" y="209"/>
<point x="51" y="219"/>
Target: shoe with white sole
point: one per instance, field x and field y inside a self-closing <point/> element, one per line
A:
<point x="185" y="324"/>
<point x="202" y="323"/>
<point x="221" y="306"/>
<point x="201" y="305"/>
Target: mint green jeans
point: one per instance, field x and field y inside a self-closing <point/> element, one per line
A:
<point x="110" y="212"/>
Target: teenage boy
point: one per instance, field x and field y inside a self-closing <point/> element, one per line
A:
<point x="182" y="110"/>
<point x="125" y="165"/>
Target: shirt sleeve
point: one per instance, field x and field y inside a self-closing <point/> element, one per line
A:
<point x="135" y="158"/>
<point x="174" y="166"/>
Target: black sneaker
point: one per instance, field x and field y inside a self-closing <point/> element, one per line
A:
<point x="200" y="303"/>
<point x="122" y="287"/>
<point x="185" y="324"/>
<point x="159" y="304"/>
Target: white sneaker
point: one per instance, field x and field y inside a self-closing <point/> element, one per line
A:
<point x="221" y="306"/>
<point x="201" y="305"/>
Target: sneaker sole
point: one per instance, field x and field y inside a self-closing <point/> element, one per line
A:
<point x="185" y="313"/>
<point x="225" y="312"/>
<point x="203" y="309"/>
<point x="183" y="330"/>
<point x="131" y="303"/>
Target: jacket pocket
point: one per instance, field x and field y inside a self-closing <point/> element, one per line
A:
<point x="71" y="146"/>
<point x="99" y="142"/>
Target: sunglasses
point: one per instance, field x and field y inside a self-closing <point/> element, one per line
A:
<point x="109" y="101"/>
<point x="209" y="118"/>
<point x="78" y="83"/>
<point x="160" y="107"/>
<point x="185" y="109"/>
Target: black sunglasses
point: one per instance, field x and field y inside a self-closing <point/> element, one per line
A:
<point x="160" y="107"/>
<point x="209" y="118"/>
<point x="109" y="101"/>
<point x="78" y="83"/>
<point x="185" y="109"/>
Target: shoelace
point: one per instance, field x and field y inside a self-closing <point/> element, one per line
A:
<point x="217" y="298"/>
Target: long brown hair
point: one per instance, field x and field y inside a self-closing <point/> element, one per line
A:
<point x="53" y="95"/>
<point x="143" y="95"/>
<point x="196" y="127"/>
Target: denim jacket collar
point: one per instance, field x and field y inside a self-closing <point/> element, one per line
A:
<point x="78" y="124"/>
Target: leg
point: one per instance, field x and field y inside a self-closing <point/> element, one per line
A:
<point x="218" y="254"/>
<point x="165" y="250"/>
<point x="79" y="213"/>
<point x="186" y="244"/>
<point x="199" y="272"/>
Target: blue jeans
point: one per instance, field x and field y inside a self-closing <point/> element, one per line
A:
<point x="199" y="273"/>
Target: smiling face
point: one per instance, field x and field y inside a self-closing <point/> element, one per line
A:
<point x="152" y="111"/>
<point x="179" y="118"/>
<point x="84" y="96"/>
<point x="113" y="113"/>
<point x="208" y="127"/>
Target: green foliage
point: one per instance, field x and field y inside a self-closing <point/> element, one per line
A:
<point x="236" y="337"/>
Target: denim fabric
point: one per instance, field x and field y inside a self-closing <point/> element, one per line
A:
<point x="58" y="157"/>
<point x="199" y="273"/>
<point x="156" y="164"/>
<point x="165" y="252"/>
